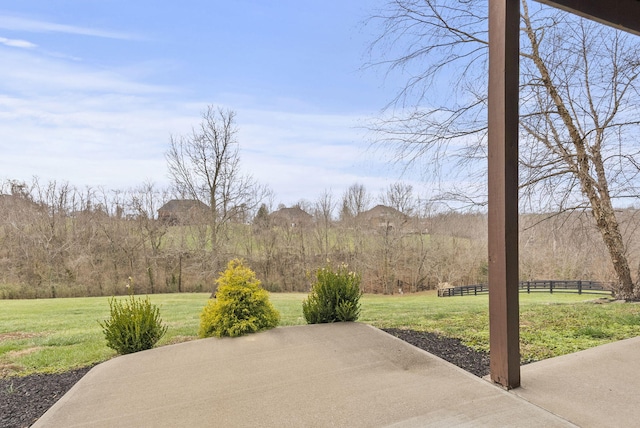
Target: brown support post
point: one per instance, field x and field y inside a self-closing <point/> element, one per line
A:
<point x="504" y="74"/>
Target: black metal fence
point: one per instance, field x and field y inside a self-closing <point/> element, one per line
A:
<point x="579" y="287"/>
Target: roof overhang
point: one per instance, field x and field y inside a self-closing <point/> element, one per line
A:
<point x="621" y="14"/>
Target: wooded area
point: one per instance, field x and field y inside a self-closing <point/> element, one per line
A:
<point x="57" y="241"/>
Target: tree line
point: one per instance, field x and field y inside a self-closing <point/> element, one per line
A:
<point x="58" y="241"/>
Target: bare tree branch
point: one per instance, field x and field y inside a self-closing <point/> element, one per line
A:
<point x="579" y="107"/>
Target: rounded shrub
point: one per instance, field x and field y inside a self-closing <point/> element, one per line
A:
<point x="335" y="296"/>
<point x="241" y="306"/>
<point x="135" y="325"/>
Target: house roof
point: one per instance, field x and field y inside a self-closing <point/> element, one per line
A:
<point x="182" y="205"/>
<point x="295" y="214"/>
<point x="381" y="211"/>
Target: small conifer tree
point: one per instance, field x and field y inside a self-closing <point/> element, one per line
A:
<point x="241" y="306"/>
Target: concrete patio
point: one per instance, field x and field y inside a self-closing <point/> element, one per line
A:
<point x="343" y="375"/>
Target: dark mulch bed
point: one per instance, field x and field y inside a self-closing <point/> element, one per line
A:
<point x="451" y="350"/>
<point x="24" y="399"/>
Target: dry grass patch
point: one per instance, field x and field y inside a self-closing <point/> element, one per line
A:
<point x="179" y="339"/>
<point x="9" y="369"/>
<point x="22" y="352"/>
<point x="18" y="335"/>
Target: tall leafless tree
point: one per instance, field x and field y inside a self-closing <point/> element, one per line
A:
<point x="205" y="165"/>
<point x="144" y="203"/>
<point x="579" y="108"/>
<point x="323" y="215"/>
<point x="399" y="195"/>
<point x="355" y="201"/>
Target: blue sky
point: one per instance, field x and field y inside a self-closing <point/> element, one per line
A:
<point x="90" y="91"/>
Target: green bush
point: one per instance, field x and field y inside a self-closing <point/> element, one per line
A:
<point x="334" y="297"/>
<point x="135" y="325"/>
<point x="241" y="306"/>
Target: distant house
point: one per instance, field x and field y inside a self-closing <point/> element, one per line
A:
<point x="182" y="211"/>
<point x="382" y="216"/>
<point x="291" y="217"/>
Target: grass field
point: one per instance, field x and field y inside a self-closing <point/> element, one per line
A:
<point x="54" y="335"/>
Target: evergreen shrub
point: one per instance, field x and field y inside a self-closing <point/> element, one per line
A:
<point x="241" y="305"/>
<point x="335" y="296"/>
<point x="135" y="325"/>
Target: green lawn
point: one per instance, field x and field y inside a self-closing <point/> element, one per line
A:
<point x="53" y="335"/>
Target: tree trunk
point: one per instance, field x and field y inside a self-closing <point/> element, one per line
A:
<point x="610" y="230"/>
<point x="581" y="161"/>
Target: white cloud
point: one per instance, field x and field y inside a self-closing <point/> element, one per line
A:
<point x="300" y="155"/>
<point x="68" y="121"/>
<point x="119" y="141"/>
<point x="24" y="71"/>
<point x="15" y="23"/>
<point x="17" y="43"/>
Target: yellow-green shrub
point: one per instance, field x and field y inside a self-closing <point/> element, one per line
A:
<point x="241" y="306"/>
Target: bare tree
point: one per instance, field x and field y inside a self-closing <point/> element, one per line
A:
<point x="205" y="165"/>
<point x="144" y="203"/>
<point x="355" y="201"/>
<point x="579" y="98"/>
<point x="399" y="196"/>
<point x="323" y="214"/>
<point x="384" y="255"/>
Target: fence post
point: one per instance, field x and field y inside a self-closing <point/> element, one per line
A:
<point x="551" y="287"/>
<point x="579" y="287"/>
